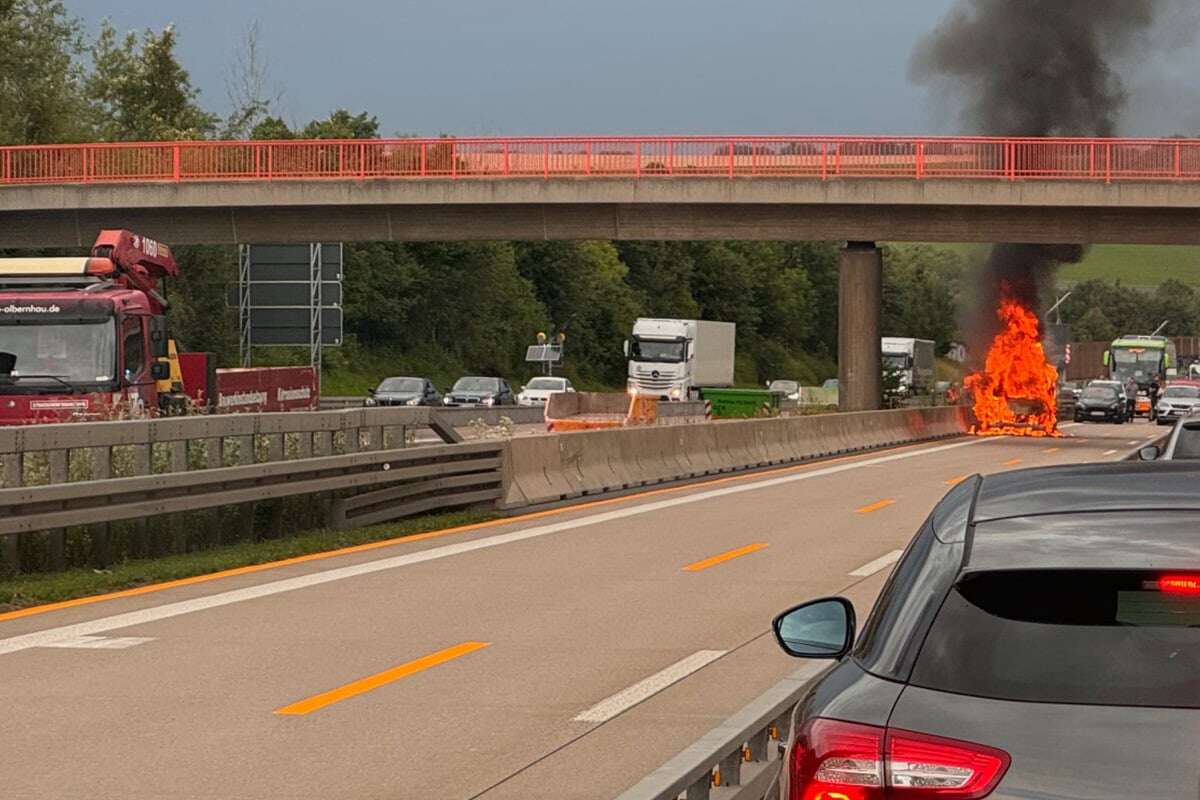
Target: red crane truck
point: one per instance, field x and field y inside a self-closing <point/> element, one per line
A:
<point x="87" y="339"/>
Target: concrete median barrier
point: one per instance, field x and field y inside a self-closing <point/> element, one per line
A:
<point x="552" y="468"/>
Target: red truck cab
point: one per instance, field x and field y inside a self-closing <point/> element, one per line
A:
<point x="86" y="339"/>
<point x="75" y="342"/>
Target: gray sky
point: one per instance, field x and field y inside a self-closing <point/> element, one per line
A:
<point x="529" y="67"/>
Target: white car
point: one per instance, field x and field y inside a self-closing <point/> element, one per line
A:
<point x="537" y="392"/>
<point x="789" y="389"/>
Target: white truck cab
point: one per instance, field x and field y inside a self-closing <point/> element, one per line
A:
<point x="672" y="359"/>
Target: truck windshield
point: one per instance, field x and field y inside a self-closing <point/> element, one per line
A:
<point x="896" y="360"/>
<point x="657" y="350"/>
<point x="78" y="353"/>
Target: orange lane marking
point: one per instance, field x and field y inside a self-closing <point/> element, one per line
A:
<point x="956" y="480"/>
<point x="475" y="526"/>
<point x="723" y="557"/>
<point x="874" y="507"/>
<point x="364" y="685"/>
<point x="1050" y="450"/>
<point x="1012" y="462"/>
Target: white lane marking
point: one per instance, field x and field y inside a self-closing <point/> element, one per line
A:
<point x="168" y="610"/>
<point x="1109" y="453"/>
<point x="100" y="642"/>
<point x="628" y="698"/>
<point x="871" y="567"/>
<point x="1071" y="425"/>
<point x="1135" y="441"/>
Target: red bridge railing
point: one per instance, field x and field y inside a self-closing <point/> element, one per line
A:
<point x="822" y="158"/>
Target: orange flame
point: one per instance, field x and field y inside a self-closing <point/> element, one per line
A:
<point x="1017" y="391"/>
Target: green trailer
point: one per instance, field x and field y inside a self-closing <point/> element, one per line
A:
<point x="741" y="403"/>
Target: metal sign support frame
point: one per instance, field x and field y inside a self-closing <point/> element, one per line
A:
<point x="315" y="310"/>
<point x="245" y="344"/>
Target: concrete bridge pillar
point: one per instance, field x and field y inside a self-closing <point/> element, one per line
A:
<point x="860" y="280"/>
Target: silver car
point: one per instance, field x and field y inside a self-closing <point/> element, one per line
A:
<point x="1040" y="638"/>
<point x="1177" y="401"/>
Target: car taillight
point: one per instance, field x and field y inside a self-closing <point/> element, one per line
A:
<point x="920" y="765"/>
<point x="1179" y="584"/>
<point x="835" y="760"/>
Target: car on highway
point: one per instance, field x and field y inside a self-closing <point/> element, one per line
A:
<point x="1102" y="401"/>
<point x="789" y="390"/>
<point x="479" y="391"/>
<point x="1038" y="638"/>
<point x="1177" y="400"/>
<point x="404" y="392"/>
<point x="537" y="392"/>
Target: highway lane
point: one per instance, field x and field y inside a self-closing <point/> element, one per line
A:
<point x="502" y="662"/>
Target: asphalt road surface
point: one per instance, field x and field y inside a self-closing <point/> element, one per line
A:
<point x="563" y="655"/>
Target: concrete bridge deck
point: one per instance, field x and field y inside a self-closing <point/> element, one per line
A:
<point x="648" y="208"/>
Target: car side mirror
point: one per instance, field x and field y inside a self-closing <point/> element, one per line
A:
<point x="627" y="348"/>
<point x="160" y="371"/>
<point x="817" y="629"/>
<point x="371" y="392"/>
<point x="1150" y="452"/>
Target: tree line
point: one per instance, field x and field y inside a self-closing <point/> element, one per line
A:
<point x="1100" y="311"/>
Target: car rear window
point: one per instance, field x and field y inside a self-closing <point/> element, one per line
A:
<point x="1188" y="444"/>
<point x="1126" y="638"/>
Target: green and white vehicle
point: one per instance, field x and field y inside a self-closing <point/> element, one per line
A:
<point x="1140" y="357"/>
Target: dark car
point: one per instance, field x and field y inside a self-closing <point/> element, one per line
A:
<point x="479" y="391"/>
<point x="1101" y="402"/>
<point x="404" y="392"/>
<point x="1039" y="638"/>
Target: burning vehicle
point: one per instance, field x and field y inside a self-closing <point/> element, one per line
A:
<point x="1016" y="392"/>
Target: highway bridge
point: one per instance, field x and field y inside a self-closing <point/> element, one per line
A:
<point x="858" y="190"/>
<point x="960" y="189"/>
<point x="564" y="653"/>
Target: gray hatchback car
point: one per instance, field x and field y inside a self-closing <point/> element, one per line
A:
<point x="1040" y="638"/>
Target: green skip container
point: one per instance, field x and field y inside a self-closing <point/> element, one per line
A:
<point x="741" y="403"/>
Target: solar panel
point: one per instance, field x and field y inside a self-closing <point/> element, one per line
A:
<point x="543" y="353"/>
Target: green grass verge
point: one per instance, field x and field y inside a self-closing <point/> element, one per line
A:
<point x="1136" y="265"/>
<point x="23" y="591"/>
<point x="1143" y="266"/>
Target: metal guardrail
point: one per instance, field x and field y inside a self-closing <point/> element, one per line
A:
<point x="428" y="478"/>
<point x="736" y="759"/>
<point x="811" y="157"/>
<point x="59" y="454"/>
<point x="519" y="415"/>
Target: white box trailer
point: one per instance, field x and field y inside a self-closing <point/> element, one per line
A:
<point x="914" y="359"/>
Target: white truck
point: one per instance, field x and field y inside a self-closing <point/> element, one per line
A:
<point x="673" y="359"/>
<point x="913" y="359"/>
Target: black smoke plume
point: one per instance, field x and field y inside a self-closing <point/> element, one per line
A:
<point x="1032" y="68"/>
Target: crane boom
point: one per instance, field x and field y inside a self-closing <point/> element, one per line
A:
<point x="140" y="262"/>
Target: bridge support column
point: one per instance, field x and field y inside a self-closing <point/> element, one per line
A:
<point x="860" y="280"/>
